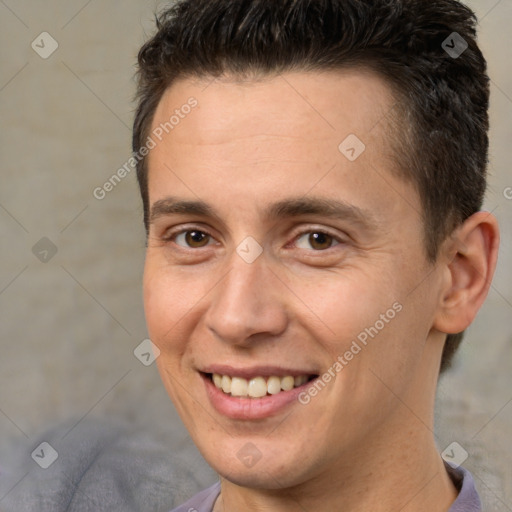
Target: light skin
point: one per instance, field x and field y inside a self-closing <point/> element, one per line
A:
<point x="365" y="441"/>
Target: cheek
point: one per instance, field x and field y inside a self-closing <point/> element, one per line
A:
<point x="155" y="304"/>
<point x="174" y="303"/>
<point x="165" y="303"/>
<point x="370" y="319"/>
<point x="345" y="304"/>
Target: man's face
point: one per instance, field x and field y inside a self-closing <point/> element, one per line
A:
<point x="265" y="282"/>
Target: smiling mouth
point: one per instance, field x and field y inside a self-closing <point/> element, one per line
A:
<point x="257" y="387"/>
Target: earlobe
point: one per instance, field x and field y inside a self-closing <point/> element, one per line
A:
<point x="473" y="251"/>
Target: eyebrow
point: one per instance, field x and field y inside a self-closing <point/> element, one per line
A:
<point x="286" y="208"/>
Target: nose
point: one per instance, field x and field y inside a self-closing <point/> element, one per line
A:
<point x="248" y="304"/>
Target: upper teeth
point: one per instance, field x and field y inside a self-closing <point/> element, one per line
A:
<point x="257" y="386"/>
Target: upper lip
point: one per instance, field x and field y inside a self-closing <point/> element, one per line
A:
<point x="255" y="371"/>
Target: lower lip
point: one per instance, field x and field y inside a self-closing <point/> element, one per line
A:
<point x="241" y="408"/>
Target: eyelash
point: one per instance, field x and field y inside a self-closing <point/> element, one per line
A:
<point x="171" y="237"/>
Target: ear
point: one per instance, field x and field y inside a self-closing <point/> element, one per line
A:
<point x="469" y="257"/>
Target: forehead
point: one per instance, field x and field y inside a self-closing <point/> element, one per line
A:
<point x="308" y="104"/>
<point x="280" y="136"/>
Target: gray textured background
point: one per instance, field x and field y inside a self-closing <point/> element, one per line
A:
<point x="69" y="325"/>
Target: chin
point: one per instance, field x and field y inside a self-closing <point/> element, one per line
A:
<point x="266" y="469"/>
<point x="260" y="479"/>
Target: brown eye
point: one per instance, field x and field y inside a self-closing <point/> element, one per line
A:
<point x="192" y="239"/>
<point x="316" y="240"/>
<point x="320" y="240"/>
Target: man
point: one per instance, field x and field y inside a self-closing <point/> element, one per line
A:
<point x="312" y="173"/>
